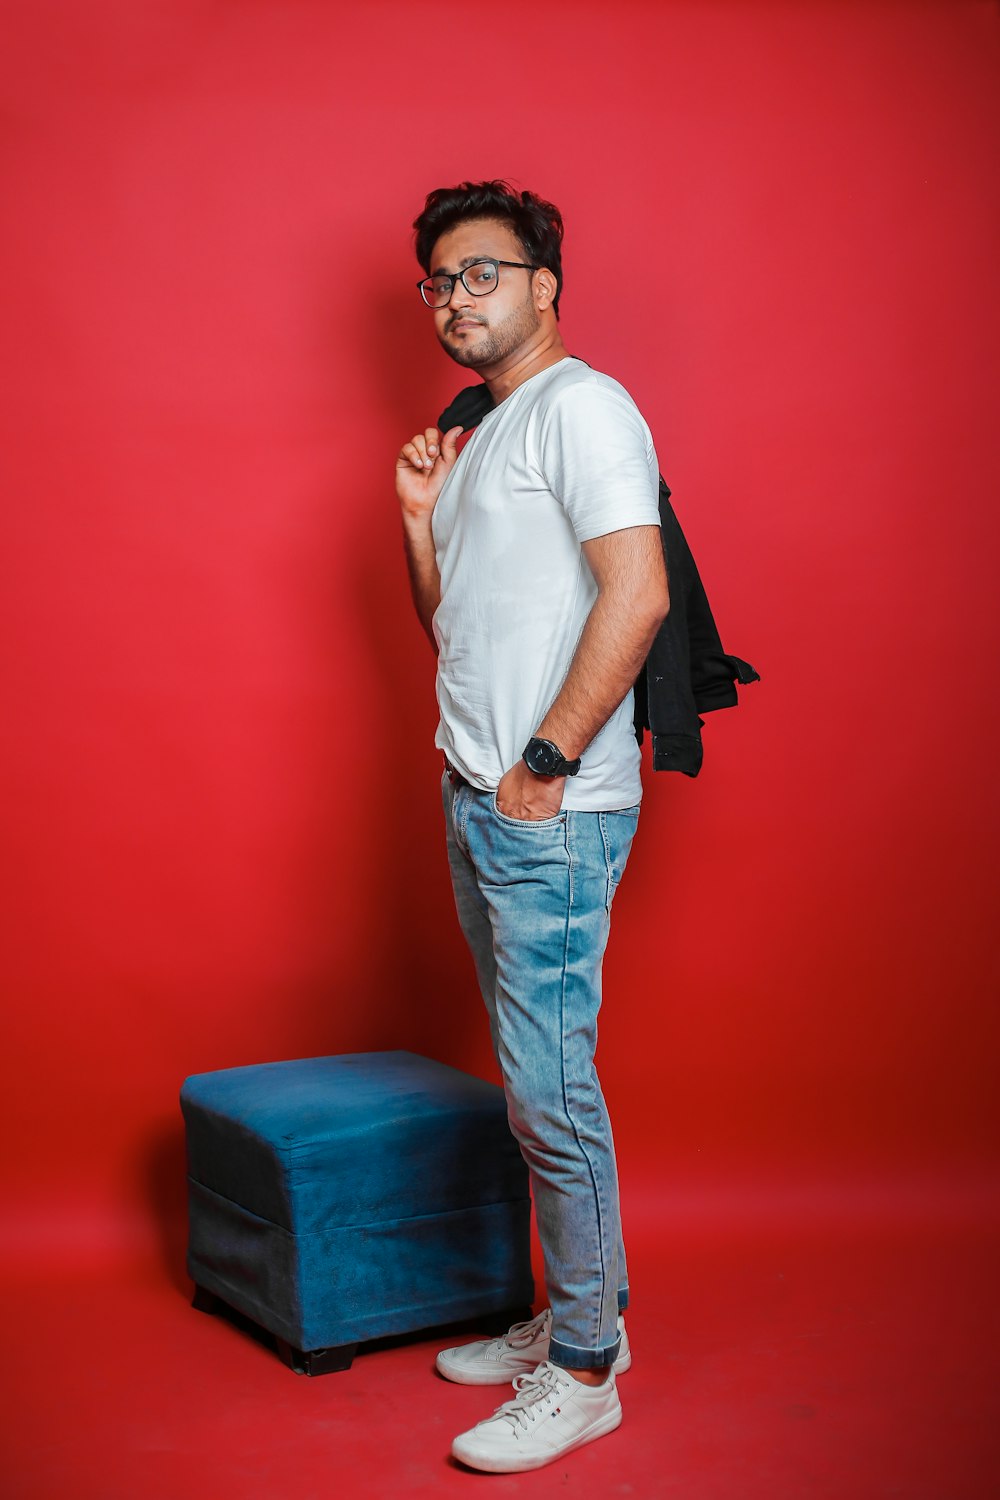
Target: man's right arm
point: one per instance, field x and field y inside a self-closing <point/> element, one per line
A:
<point x="422" y="467"/>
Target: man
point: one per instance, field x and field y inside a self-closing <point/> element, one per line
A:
<point x="537" y="571"/>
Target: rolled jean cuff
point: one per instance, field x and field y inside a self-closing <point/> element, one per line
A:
<point x="622" y="1298"/>
<point x="572" y="1358"/>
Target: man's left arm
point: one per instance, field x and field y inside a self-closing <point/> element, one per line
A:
<point x="632" y="602"/>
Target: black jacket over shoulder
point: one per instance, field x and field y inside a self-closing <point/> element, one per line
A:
<point x="687" y="673"/>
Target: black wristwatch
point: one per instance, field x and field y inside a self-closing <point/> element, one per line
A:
<point x="546" y="759"/>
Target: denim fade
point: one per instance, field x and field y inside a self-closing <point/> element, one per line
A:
<point x="534" y="902"/>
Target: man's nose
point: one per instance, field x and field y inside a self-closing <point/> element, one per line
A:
<point x="460" y="294"/>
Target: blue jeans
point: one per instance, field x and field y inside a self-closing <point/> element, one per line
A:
<point x="534" y="901"/>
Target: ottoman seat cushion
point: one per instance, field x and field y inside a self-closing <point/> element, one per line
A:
<point x="336" y="1199"/>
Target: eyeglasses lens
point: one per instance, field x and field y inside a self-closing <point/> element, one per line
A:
<point x="480" y="279"/>
<point x="436" y="290"/>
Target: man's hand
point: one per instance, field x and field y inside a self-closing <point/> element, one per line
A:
<point x="422" y="467"/>
<point x="527" y="797"/>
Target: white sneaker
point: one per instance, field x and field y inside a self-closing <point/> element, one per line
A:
<point x="521" y="1349"/>
<point x="551" y="1414"/>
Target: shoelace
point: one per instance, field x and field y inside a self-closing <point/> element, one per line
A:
<point x="521" y="1334"/>
<point x="532" y="1391"/>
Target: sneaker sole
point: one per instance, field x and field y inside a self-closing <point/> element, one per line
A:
<point x="494" y="1464"/>
<point x="462" y="1375"/>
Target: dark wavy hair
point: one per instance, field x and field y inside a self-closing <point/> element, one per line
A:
<point x="538" y="225"/>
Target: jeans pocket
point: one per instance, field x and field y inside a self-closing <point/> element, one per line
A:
<point x="560" y="817"/>
<point x="618" y="830"/>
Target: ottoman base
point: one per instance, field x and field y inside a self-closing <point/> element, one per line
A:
<point x="329" y="1361"/>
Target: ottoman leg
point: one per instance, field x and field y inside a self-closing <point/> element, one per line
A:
<point x="203" y="1301"/>
<point x="302" y="1361"/>
<point x="316" y="1361"/>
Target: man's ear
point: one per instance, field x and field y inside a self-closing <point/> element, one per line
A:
<point x="545" y="287"/>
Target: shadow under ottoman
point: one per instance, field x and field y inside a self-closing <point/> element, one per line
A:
<point x="334" y="1200"/>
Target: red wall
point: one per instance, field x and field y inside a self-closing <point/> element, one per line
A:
<point x="221" y="820"/>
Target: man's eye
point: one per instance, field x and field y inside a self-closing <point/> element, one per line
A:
<point x="483" y="275"/>
<point x="441" y="286"/>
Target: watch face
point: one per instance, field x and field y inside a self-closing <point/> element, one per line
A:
<point x="542" y="758"/>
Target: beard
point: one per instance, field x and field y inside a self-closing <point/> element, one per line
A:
<point x="498" y="342"/>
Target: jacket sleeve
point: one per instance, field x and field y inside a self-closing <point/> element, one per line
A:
<point x="686" y="672"/>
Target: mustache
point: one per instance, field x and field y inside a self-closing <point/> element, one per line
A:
<point x="464" y="318"/>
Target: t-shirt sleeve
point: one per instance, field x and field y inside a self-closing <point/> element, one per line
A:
<point x="596" y="456"/>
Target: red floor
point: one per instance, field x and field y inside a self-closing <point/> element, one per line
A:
<point x="807" y="1360"/>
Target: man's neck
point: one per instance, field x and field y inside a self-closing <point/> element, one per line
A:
<point x="525" y="362"/>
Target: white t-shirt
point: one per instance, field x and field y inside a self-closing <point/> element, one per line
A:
<point x="565" y="458"/>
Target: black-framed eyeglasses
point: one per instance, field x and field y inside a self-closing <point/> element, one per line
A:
<point x="479" y="279"/>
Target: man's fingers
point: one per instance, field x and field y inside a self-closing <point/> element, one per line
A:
<point x="425" y="448"/>
<point x="415" y="453"/>
<point x="449" y="443"/>
<point x="409" y="455"/>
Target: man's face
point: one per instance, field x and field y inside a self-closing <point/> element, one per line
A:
<point x="484" y="331"/>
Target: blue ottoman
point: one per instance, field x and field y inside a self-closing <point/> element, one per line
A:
<point x="335" y="1200"/>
